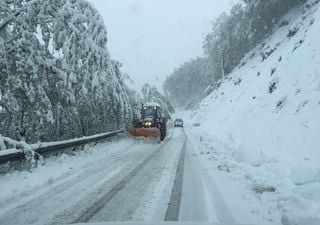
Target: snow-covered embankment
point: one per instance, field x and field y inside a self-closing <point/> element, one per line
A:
<point x="267" y="113"/>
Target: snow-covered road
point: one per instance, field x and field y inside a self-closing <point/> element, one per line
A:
<point x="131" y="180"/>
<point x="202" y="199"/>
<point x="126" y="180"/>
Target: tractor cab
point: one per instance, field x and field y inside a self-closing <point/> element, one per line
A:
<point x="151" y="115"/>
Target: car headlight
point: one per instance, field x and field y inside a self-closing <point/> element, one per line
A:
<point x="148" y="123"/>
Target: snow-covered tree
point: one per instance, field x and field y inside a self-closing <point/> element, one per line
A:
<point x="151" y="94"/>
<point x="232" y="36"/>
<point x="57" y="78"/>
<point x="188" y="84"/>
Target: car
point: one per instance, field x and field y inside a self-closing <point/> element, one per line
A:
<point x="178" y="123"/>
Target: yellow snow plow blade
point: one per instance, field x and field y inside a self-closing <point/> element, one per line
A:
<point x="145" y="132"/>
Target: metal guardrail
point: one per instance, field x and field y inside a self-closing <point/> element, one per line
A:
<point x="45" y="149"/>
<point x="74" y="143"/>
<point x="11" y="154"/>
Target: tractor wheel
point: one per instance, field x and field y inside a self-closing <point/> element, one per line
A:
<point x="163" y="132"/>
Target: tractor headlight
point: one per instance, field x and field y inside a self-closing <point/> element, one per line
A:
<point x="148" y="123"/>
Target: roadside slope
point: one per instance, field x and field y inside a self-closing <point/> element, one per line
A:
<point x="267" y="114"/>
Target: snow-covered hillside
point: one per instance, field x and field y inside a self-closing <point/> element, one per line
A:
<point x="267" y="112"/>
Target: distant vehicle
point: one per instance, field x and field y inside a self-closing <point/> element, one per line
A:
<point x="178" y="123"/>
<point x="152" y="123"/>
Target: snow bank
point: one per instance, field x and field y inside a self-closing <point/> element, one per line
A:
<point x="245" y="153"/>
<point x="267" y="112"/>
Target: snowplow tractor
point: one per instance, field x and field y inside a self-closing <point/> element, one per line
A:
<point x="151" y="124"/>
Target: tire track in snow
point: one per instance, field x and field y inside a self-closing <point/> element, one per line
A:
<point x="100" y="203"/>
<point x="47" y="204"/>
<point x="38" y="197"/>
<point x="214" y="197"/>
<point x="173" y="209"/>
<point x="222" y="210"/>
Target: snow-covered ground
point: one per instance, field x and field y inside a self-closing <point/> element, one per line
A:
<point x="260" y="129"/>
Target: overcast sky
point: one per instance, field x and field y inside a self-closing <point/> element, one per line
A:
<point x="152" y="37"/>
